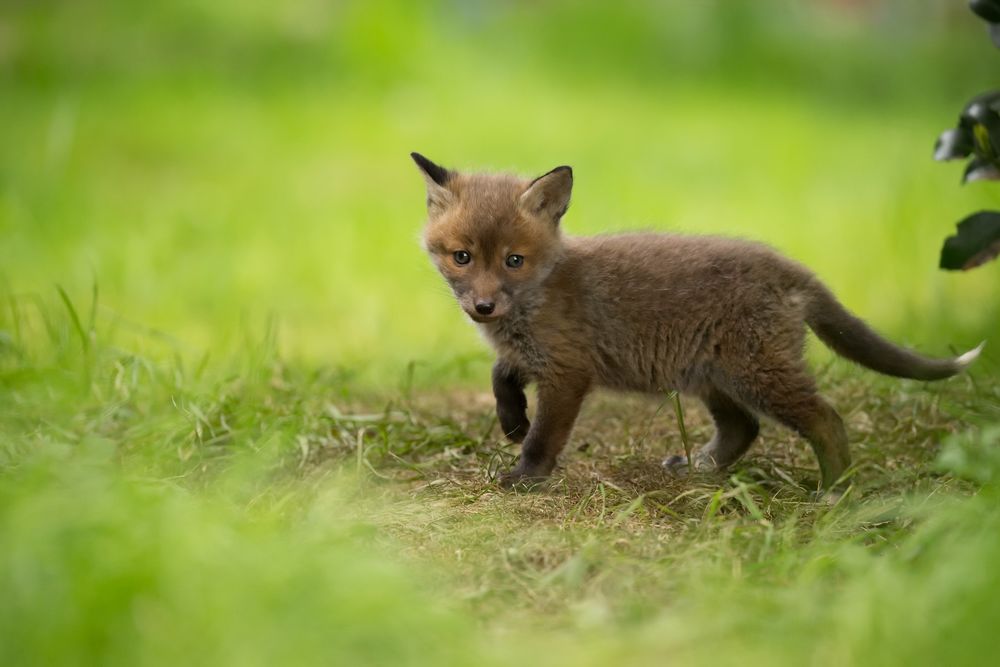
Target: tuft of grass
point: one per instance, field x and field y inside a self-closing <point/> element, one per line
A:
<point x="258" y="511"/>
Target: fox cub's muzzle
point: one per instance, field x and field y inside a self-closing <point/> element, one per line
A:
<point x="484" y="306"/>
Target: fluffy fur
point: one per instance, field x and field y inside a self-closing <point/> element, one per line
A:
<point x="721" y="319"/>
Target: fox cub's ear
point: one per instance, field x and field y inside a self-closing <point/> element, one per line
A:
<point x="437" y="177"/>
<point x="548" y="195"/>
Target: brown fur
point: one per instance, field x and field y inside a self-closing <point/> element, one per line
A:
<point x="720" y="319"/>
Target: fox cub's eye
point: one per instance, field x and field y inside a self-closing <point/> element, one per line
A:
<point x="515" y="261"/>
<point x="462" y="257"/>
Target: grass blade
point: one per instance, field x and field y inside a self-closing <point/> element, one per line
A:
<point x="92" y="325"/>
<point x="74" y="318"/>
<point x="680" y="425"/>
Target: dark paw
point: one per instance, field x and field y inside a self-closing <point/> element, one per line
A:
<point x="514" y="426"/>
<point x="677" y="465"/>
<point x="523" y="478"/>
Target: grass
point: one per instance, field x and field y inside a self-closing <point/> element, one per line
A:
<point x="256" y="511"/>
<point x="266" y="437"/>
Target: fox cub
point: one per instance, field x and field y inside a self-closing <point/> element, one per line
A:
<point x="720" y="319"/>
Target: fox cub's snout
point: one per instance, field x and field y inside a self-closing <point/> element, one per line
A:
<point x="483" y="284"/>
<point x="494" y="239"/>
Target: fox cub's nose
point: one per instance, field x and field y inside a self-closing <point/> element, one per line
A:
<point x="485" y="307"/>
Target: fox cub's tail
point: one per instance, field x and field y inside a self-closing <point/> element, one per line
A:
<point x="851" y="338"/>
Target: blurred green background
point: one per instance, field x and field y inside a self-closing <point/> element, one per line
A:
<point x="216" y="165"/>
<point x="226" y="172"/>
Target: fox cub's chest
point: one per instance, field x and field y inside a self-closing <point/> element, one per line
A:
<point x="513" y="340"/>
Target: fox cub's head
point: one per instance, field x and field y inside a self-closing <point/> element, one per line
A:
<point x="494" y="237"/>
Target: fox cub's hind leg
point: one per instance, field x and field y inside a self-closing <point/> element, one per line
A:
<point x="788" y="393"/>
<point x="824" y="429"/>
<point x="512" y="405"/>
<point x="735" y="430"/>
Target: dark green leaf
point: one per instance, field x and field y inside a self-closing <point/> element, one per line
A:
<point x="988" y="10"/>
<point x="977" y="242"/>
<point x="980" y="169"/>
<point x="981" y="117"/>
<point x="953" y="144"/>
<point x="977" y="134"/>
<point x="979" y="106"/>
<point x="995" y="33"/>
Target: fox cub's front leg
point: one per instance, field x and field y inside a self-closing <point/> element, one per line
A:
<point x="558" y="406"/>
<point x="512" y="405"/>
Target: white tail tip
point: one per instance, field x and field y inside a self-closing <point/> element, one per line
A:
<point x="965" y="360"/>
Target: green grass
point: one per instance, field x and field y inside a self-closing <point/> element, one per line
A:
<point x="259" y="511"/>
<point x="242" y="422"/>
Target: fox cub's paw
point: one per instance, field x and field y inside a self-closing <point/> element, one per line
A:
<point x="514" y="424"/>
<point x="678" y="465"/>
<point x="524" y="478"/>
